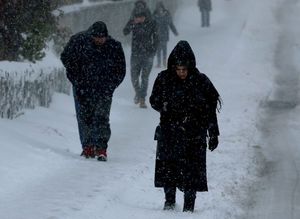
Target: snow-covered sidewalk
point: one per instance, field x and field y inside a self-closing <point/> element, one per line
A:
<point x="42" y="175"/>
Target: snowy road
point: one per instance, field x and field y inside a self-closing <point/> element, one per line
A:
<point x="278" y="193"/>
<point x="43" y="177"/>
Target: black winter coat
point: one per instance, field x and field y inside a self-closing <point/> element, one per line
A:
<point x="94" y="70"/>
<point x="144" y="37"/>
<point x="187" y="114"/>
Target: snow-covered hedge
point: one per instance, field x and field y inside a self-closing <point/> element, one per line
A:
<point x="30" y="88"/>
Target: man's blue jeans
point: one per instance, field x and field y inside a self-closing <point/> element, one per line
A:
<point x="93" y="120"/>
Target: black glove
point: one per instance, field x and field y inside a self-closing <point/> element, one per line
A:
<point x="213" y="142"/>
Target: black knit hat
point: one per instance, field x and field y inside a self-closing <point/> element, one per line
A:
<point x="140" y="12"/>
<point x="98" y="29"/>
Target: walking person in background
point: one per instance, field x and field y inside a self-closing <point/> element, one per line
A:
<point x="164" y="22"/>
<point x="205" y="8"/>
<point x="187" y="101"/>
<point x="143" y="48"/>
<point x="95" y="65"/>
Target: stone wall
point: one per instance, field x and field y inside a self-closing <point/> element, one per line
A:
<point x="114" y="13"/>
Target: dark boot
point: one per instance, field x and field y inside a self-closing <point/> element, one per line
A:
<point x="189" y="200"/>
<point x="169" y="206"/>
<point x="143" y="103"/>
<point x="170" y="196"/>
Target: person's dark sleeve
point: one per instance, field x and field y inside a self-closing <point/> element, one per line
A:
<point x="128" y="27"/>
<point x="213" y="97"/>
<point x="213" y="127"/>
<point x="155" y="38"/>
<point x="69" y="58"/>
<point x="119" y="65"/>
<point x="172" y="26"/>
<point x="156" y="99"/>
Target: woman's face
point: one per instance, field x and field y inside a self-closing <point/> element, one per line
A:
<point x="182" y="72"/>
<point x="99" y="41"/>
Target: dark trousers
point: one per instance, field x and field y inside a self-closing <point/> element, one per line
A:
<point x="93" y="121"/>
<point x="189" y="200"/>
<point x="189" y="196"/>
<point x="205" y="19"/>
<point x="140" y="71"/>
<point x="162" y="50"/>
<point x="170" y="194"/>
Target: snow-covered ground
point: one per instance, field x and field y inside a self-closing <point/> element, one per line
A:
<point x="43" y="176"/>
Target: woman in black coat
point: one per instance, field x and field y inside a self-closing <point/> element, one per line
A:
<point x="187" y="102"/>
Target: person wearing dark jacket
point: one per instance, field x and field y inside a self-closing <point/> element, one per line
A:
<point x="187" y="101"/>
<point x="164" y="22"/>
<point x="205" y="8"/>
<point x="143" y="48"/>
<point x="95" y="65"/>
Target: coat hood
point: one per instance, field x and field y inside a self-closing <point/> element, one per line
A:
<point x="98" y="29"/>
<point x="140" y="3"/>
<point x="183" y="55"/>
